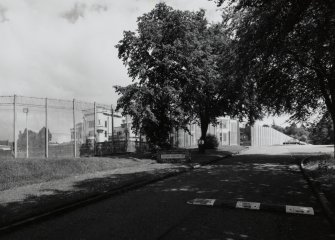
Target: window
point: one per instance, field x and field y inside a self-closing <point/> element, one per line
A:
<point x="91" y="133"/>
<point x="91" y="124"/>
<point x="99" y="122"/>
<point x="220" y="137"/>
<point x="225" y="137"/>
<point x="105" y="123"/>
<point x="224" y="124"/>
<point x="105" y="133"/>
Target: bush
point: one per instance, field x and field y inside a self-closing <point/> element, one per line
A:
<point x="211" y="142"/>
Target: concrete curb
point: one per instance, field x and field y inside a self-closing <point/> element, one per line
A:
<point x="326" y="205"/>
<point x="252" y="206"/>
<point x="125" y="187"/>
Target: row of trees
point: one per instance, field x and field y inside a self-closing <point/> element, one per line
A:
<point x="36" y="140"/>
<point x="276" y="56"/>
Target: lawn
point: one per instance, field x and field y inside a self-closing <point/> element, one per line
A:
<point x="19" y="172"/>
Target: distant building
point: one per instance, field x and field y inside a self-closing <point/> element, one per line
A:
<point x="103" y="127"/>
<point x="226" y="131"/>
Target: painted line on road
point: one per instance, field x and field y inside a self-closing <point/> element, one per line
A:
<point x="252" y="206"/>
<point x="248" y="205"/>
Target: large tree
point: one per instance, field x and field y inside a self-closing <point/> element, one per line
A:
<point x="174" y="59"/>
<point x="287" y="48"/>
<point x="155" y="57"/>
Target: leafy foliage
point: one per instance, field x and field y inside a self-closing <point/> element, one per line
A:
<point x="285" y="50"/>
<point x="174" y="61"/>
<point x="322" y="131"/>
<point x="156" y="57"/>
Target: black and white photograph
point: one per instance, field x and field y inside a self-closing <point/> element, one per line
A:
<point x="167" y="119"/>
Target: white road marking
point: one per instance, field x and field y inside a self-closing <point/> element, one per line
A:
<point x="248" y="205"/>
<point x="202" y="201"/>
<point x="299" y="210"/>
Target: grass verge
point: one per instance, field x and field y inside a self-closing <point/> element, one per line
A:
<point x="322" y="170"/>
<point x="19" y="172"/>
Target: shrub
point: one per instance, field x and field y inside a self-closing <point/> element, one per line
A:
<point x="211" y="142"/>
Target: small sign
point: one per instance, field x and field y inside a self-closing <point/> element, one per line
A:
<point x="248" y="205"/>
<point x="202" y="201"/>
<point x="299" y="210"/>
<point x="172" y="156"/>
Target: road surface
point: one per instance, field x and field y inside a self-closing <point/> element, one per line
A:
<point x="159" y="211"/>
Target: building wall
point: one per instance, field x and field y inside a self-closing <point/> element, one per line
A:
<point x="226" y="132"/>
<point x="103" y="127"/>
<point x="266" y="136"/>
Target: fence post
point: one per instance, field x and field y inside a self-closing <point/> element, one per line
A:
<point x="46" y="129"/>
<point x="74" y="131"/>
<point x="94" y="129"/>
<point x="112" y="116"/>
<point x="15" y="140"/>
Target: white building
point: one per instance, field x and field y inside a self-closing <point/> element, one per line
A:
<point x="104" y="125"/>
<point x="226" y="131"/>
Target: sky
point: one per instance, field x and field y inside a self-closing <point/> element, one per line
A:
<point x="65" y="49"/>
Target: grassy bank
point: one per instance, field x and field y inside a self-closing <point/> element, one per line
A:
<point x="18" y="172"/>
<point x="322" y="169"/>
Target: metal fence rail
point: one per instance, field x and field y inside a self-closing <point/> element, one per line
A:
<point x="43" y="127"/>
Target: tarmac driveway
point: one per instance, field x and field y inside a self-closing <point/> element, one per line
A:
<point x="159" y="211"/>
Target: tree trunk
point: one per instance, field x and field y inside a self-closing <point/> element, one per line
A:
<point x="204" y="127"/>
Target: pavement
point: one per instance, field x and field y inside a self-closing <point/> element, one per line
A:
<point x="160" y="210"/>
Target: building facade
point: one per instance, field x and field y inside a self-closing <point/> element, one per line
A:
<point x="107" y="125"/>
<point x="226" y="131"/>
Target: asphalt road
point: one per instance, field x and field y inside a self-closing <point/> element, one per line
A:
<point x="159" y="211"/>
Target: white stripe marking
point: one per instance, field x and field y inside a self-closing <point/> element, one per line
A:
<point x="248" y="205"/>
<point x="202" y="201"/>
<point x="299" y="210"/>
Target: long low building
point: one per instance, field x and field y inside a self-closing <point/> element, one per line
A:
<point x="226" y="131"/>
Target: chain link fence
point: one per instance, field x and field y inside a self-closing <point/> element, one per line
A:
<point x="40" y="128"/>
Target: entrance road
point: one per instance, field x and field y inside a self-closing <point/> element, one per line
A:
<point x="159" y="211"/>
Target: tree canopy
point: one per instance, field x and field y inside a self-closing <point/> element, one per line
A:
<point x="174" y="59"/>
<point x="285" y="50"/>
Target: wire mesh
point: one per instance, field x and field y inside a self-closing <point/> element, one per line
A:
<point x="6" y="126"/>
<point x="75" y="128"/>
<point x="30" y="126"/>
